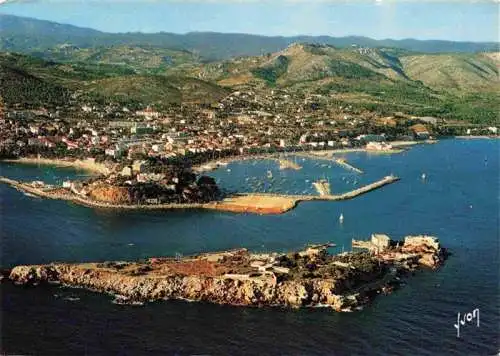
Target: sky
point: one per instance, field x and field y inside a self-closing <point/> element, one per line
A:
<point x="424" y="19"/>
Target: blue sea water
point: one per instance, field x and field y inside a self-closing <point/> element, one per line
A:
<point x="458" y="202"/>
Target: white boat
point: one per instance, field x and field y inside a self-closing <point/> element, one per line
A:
<point x="341" y="218"/>
<point x="269" y="174"/>
<point x="423" y="176"/>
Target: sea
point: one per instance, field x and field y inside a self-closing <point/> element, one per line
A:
<point x="449" y="190"/>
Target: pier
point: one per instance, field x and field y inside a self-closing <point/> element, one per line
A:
<point x="328" y="156"/>
<point x="287" y="164"/>
<point x="342" y="162"/>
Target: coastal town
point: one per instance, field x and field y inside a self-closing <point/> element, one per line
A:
<point x="254" y="177"/>
<point x="241" y="123"/>
<point x="151" y="156"/>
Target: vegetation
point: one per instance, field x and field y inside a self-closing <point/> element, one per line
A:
<point x="35" y="82"/>
<point x="458" y="86"/>
<point x="271" y="72"/>
<point x="17" y="86"/>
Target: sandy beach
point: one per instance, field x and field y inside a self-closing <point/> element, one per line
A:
<point x="87" y="165"/>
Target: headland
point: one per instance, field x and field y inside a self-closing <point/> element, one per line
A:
<point x="307" y="278"/>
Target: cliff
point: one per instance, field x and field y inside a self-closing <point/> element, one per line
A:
<point x="111" y="194"/>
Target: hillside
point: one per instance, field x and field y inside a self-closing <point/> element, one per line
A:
<point x="155" y="90"/>
<point x="139" y="58"/>
<point x="461" y="72"/>
<point x="36" y="82"/>
<point x="25" y="35"/>
<point x="458" y="86"/>
<point x="18" y="86"/>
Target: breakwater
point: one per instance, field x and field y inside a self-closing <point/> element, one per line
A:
<point x="259" y="203"/>
<point x="344" y="196"/>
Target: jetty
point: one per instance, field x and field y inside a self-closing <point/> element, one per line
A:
<point x="342" y="162"/>
<point x="322" y="187"/>
<point x="258" y="203"/>
<point x="287" y="164"/>
<point x="329" y="156"/>
<point x="308" y="278"/>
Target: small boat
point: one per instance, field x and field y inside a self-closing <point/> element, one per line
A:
<point x="423" y="176"/>
<point x="269" y="174"/>
<point x="229" y="170"/>
<point x="341" y="218"/>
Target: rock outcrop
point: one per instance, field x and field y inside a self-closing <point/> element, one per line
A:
<point x="307" y="278"/>
<point x="111" y="194"/>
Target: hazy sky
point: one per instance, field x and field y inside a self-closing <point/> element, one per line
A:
<point x="452" y="20"/>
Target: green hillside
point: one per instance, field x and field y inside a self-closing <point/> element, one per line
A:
<point x="461" y="72"/>
<point x="18" y="86"/>
<point x="307" y="63"/>
<point x="36" y="82"/>
<point x="454" y="86"/>
<point x="154" y="90"/>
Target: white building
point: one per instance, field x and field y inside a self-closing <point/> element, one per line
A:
<point x="378" y="146"/>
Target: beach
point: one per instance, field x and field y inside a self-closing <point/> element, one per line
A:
<point x="88" y="164"/>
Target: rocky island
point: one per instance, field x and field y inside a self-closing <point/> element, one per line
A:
<point x="308" y="278"/>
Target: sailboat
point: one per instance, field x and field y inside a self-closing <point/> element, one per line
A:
<point x="341" y="218"/>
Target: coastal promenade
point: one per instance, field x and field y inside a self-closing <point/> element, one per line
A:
<point x="258" y="203"/>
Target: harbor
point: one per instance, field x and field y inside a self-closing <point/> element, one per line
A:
<point x="71" y="233"/>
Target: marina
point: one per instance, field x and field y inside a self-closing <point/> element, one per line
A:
<point x="69" y="233"/>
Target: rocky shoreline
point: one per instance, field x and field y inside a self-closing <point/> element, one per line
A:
<point x="308" y="278"/>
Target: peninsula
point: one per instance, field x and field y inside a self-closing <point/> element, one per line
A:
<point x="100" y="195"/>
<point x="308" y="278"/>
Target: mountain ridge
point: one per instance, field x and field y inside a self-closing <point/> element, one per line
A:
<point x="25" y="35"/>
